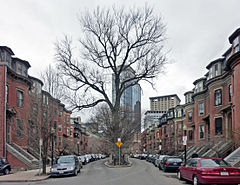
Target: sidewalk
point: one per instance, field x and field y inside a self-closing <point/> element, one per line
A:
<point x="25" y="176"/>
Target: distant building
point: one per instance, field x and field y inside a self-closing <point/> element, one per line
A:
<point x="131" y="97"/>
<point x="159" y="105"/>
<point x="163" y="103"/>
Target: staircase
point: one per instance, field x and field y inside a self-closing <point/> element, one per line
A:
<point x="22" y="155"/>
<point x="234" y="158"/>
<point x="221" y="149"/>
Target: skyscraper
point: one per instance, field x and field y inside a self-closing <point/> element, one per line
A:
<point x="131" y="97"/>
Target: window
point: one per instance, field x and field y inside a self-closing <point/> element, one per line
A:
<point x="200" y="108"/>
<point x="2" y="55"/>
<point x="59" y="140"/>
<point x="35" y="109"/>
<point x="7" y="93"/>
<point x="45" y="99"/>
<point x="210" y="73"/>
<point x="201" y="131"/>
<point x="8" y="59"/>
<point x="60" y="127"/>
<point x="19" y="128"/>
<point x="60" y="114"/>
<point x="236" y="45"/>
<point x="190" y="135"/>
<point x="55" y="110"/>
<point x="216" y="69"/>
<point x="218" y="97"/>
<point x="189" y="116"/>
<point x="19" y="98"/>
<point x="19" y="69"/>
<point x="55" y="125"/>
<point x="25" y="71"/>
<point x="68" y="131"/>
<point x="230" y="92"/>
<point x="179" y="127"/>
<point x="218" y="126"/>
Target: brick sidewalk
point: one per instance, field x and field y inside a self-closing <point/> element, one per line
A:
<point x="24" y="176"/>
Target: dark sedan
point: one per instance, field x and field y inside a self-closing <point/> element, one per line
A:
<point x="209" y="171"/>
<point x="5" y="167"/>
<point x="171" y="163"/>
<point x="66" y="165"/>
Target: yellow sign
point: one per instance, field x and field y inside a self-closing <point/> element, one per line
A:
<point x="119" y="144"/>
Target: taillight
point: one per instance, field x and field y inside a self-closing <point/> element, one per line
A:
<point x="210" y="173"/>
<point x="234" y="172"/>
<point x="167" y="163"/>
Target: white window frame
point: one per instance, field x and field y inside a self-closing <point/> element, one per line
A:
<point x="201" y="127"/>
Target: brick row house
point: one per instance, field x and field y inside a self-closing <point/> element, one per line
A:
<point x="210" y="117"/>
<point x="28" y="113"/>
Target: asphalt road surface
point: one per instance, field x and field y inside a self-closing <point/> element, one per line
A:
<point x="96" y="173"/>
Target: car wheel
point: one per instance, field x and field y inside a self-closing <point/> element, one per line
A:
<point x="164" y="169"/>
<point x="179" y="175"/>
<point x="75" y="172"/>
<point x="6" y="171"/>
<point x="195" y="180"/>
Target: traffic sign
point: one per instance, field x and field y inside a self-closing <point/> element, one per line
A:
<point x="119" y="144"/>
<point x="184" y="140"/>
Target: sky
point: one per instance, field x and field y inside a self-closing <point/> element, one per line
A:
<point x="197" y="33"/>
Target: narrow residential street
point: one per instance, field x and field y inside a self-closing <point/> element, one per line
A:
<point x="96" y="173"/>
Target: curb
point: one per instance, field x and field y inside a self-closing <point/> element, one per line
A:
<point x="111" y="166"/>
<point x="26" y="180"/>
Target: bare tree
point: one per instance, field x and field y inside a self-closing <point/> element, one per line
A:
<point x="117" y="44"/>
<point x="52" y="82"/>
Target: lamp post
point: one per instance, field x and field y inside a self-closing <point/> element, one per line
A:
<point x="185" y="142"/>
<point x="52" y="144"/>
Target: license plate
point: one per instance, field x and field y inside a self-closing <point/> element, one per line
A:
<point x="174" y="163"/>
<point x="61" y="172"/>
<point x="224" y="173"/>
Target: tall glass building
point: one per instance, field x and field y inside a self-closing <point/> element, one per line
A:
<point x="131" y="99"/>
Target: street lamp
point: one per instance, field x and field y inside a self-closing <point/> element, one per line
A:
<point x="185" y="142"/>
<point x="52" y="144"/>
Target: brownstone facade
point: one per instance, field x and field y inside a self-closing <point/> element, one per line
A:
<point x="211" y="113"/>
<point x="27" y="113"/>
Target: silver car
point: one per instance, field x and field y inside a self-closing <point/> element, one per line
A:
<point x="66" y="165"/>
<point x="159" y="160"/>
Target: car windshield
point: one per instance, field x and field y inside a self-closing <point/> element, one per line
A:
<point x="213" y="163"/>
<point x="174" y="160"/>
<point x="65" y="160"/>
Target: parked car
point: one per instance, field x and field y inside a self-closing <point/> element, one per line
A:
<point x="154" y="159"/>
<point x="171" y="163"/>
<point x="66" y="165"/>
<point x="5" y="167"/>
<point x="143" y="156"/>
<point x="159" y="160"/>
<point x="209" y="171"/>
<point x="80" y="161"/>
<point x="83" y="159"/>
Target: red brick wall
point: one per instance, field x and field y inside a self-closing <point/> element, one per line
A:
<point x="2" y="95"/>
<point x="22" y="112"/>
<point x="15" y="162"/>
<point x="236" y="97"/>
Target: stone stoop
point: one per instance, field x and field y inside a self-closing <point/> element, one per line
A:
<point x="234" y="158"/>
<point x="23" y="156"/>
